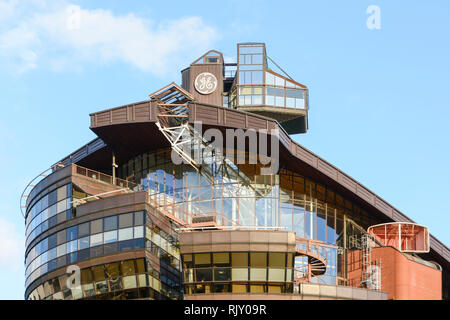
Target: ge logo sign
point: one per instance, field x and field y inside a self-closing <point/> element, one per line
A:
<point x="205" y="83"/>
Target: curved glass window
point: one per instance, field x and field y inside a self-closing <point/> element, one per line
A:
<point x="48" y="211"/>
<point x="75" y="244"/>
<point x="129" y="279"/>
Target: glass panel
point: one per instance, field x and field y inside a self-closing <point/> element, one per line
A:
<point x="221" y="259"/>
<point x="72" y="246"/>
<point x="203" y="274"/>
<point x="96" y="226"/>
<point x="83" y="243"/>
<point x="202" y="259"/>
<point x="129" y="282"/>
<point x="127" y="267"/>
<point x="98" y="272"/>
<point x="239" y="274"/>
<point x="257" y="77"/>
<point x="83" y="229"/>
<point x="110" y="236"/>
<point x="277" y="259"/>
<point x="258" y="274"/>
<point x="139" y="218"/>
<point x="188" y="261"/>
<point x="110" y="223"/>
<point x="139" y="232"/>
<point x="239" y="259"/>
<point x="222" y="274"/>
<point x="276" y="275"/>
<point x="96" y="239"/>
<point x="258" y="259"/>
<point x="270" y="79"/>
<point x="112" y="270"/>
<point x="72" y="233"/>
<point x="126" y="220"/>
<point x="125" y="234"/>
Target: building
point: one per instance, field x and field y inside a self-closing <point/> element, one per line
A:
<point x="155" y="208"/>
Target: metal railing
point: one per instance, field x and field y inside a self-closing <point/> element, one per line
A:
<point x="100" y="176"/>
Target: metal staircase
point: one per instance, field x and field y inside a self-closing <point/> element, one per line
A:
<point x="316" y="265"/>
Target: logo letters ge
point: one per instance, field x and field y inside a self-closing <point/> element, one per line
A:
<point x="205" y="83"/>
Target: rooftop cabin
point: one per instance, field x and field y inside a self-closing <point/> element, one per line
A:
<point x="249" y="85"/>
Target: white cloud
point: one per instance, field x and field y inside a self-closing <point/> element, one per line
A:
<point x="7" y="9"/>
<point x="11" y="246"/>
<point x="64" y="35"/>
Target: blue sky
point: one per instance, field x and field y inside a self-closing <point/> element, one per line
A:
<point x="379" y="106"/>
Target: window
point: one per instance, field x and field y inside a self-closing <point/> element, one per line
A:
<point x="257" y="77"/>
<point x="258" y="259"/>
<point x="72" y="246"/>
<point x="112" y="270"/>
<point x="96" y="226"/>
<point x="221" y="259"/>
<point x="279" y="101"/>
<point x="276" y="275"/>
<point x="125" y="234"/>
<point x="239" y="259"/>
<point x="110" y="223"/>
<point x="72" y="233"/>
<point x="110" y="236"/>
<point x="139" y="232"/>
<point x="52" y="241"/>
<point x="126" y="220"/>
<point x="126" y="245"/>
<point x="258" y="274"/>
<point x="96" y="239"/>
<point x="83" y="243"/>
<point x="129" y="282"/>
<point x="239" y="274"/>
<point x="127" y="267"/>
<point x="202" y="259"/>
<point x="61" y="206"/>
<point x="187" y="261"/>
<point x="203" y="275"/>
<point x="222" y="274"/>
<point x="83" y="229"/>
<point x="139" y="218"/>
<point x="98" y="273"/>
<point x="111" y="248"/>
<point x="277" y="259"/>
<point x="61" y="250"/>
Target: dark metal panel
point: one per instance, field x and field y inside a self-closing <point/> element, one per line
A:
<point x="234" y="119"/>
<point x="327" y="169"/>
<point x="365" y="194"/>
<point x="119" y="116"/>
<point x="383" y="207"/>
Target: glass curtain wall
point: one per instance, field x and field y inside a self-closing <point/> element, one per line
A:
<point x="240" y="196"/>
